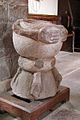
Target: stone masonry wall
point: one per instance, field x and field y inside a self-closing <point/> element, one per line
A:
<point x="10" y="10"/>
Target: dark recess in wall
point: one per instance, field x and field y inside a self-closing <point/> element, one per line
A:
<point x="75" y="19"/>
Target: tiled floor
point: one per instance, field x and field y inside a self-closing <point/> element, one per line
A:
<point x="69" y="66"/>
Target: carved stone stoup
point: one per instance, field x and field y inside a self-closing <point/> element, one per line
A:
<point x="37" y="43"/>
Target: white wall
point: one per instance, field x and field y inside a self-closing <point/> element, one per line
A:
<point x="47" y="7"/>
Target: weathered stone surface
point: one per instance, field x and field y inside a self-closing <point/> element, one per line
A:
<point x="4" y="69"/>
<point x="49" y="87"/>
<point x="57" y="76"/>
<point x="34" y="86"/>
<point x="14" y="2"/>
<point x="39" y="30"/>
<point x="14" y="64"/>
<point x="9" y="52"/>
<point x="3" y="11"/>
<point x="36" y="65"/>
<point x="30" y="48"/>
<point x="17" y="10"/>
<point x="43" y="85"/>
<point x="36" y="59"/>
<point x="5" y="85"/>
<point x="10" y="10"/>
<point x="3" y="27"/>
<point x="21" y="87"/>
<point x="2" y="52"/>
<point x="8" y="44"/>
<point x="1" y="44"/>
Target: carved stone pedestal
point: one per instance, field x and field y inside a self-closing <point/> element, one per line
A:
<point x="37" y="42"/>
